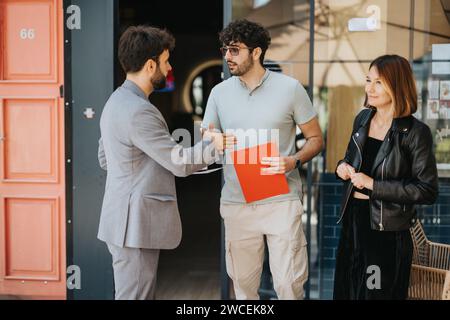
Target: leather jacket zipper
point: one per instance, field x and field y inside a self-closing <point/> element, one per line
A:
<point x="360" y="153"/>
<point x="359" y="168"/>
<point x="382" y="178"/>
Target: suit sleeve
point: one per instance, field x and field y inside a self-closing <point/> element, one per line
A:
<point x="149" y="133"/>
<point x="101" y="155"/>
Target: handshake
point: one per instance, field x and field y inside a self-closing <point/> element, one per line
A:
<point x="228" y="141"/>
<point x="222" y="141"/>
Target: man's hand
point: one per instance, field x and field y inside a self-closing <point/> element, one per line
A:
<point x="361" y="181"/>
<point x="344" y="171"/>
<point x="222" y="141"/>
<point x="277" y="165"/>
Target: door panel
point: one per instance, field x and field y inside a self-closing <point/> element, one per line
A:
<point x="32" y="158"/>
<point x="31" y="247"/>
<point x="29" y="47"/>
<point x="31" y="150"/>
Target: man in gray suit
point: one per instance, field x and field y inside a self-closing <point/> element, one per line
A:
<point x="139" y="213"/>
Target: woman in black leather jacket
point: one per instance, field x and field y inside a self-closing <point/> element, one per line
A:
<point x="389" y="167"/>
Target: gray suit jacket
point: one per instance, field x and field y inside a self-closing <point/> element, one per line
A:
<point x="141" y="158"/>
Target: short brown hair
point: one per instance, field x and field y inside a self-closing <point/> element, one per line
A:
<point x="138" y="44"/>
<point x="397" y="75"/>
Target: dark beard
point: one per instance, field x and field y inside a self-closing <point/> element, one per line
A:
<point x="159" y="80"/>
<point x="243" y="68"/>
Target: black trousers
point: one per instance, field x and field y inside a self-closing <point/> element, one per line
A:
<point x="370" y="264"/>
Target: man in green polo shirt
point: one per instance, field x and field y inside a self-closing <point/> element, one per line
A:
<point x="256" y="100"/>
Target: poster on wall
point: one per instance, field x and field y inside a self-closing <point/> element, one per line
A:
<point x="433" y="109"/>
<point x="443" y="147"/>
<point x="433" y="89"/>
<point x="445" y="90"/>
<point x="444" y="110"/>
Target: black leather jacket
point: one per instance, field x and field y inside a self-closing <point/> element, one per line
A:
<point x="404" y="171"/>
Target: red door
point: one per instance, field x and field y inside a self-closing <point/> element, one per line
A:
<point x="32" y="165"/>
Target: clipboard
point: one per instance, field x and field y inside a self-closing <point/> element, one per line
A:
<point x="247" y="163"/>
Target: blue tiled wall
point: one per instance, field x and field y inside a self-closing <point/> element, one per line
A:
<point x="435" y="218"/>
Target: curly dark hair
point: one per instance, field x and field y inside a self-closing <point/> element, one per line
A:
<point x="138" y="44"/>
<point x="252" y="34"/>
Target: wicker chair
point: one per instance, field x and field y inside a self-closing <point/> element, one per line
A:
<point x="430" y="272"/>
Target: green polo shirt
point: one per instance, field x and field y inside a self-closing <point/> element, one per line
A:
<point x="274" y="107"/>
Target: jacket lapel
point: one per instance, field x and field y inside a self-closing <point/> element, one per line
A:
<point x="385" y="148"/>
<point x="362" y="132"/>
<point x="399" y="126"/>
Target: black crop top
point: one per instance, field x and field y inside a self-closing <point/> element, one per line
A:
<point x="369" y="154"/>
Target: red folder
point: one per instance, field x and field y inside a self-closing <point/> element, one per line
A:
<point x="247" y="163"/>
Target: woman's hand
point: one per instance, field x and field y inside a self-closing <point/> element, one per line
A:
<point x="361" y="181"/>
<point x="344" y="171"/>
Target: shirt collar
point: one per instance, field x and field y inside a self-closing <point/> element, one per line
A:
<point x="263" y="79"/>
<point x="130" y="85"/>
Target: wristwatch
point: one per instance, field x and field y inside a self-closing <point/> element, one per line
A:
<point x="298" y="163"/>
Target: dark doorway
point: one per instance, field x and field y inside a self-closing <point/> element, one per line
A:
<point x="191" y="271"/>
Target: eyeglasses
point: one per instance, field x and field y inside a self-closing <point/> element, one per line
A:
<point x="234" y="51"/>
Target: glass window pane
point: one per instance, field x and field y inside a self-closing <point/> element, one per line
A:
<point x="432" y="71"/>
<point x="288" y="24"/>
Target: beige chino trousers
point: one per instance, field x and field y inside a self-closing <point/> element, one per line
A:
<point x="245" y="228"/>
